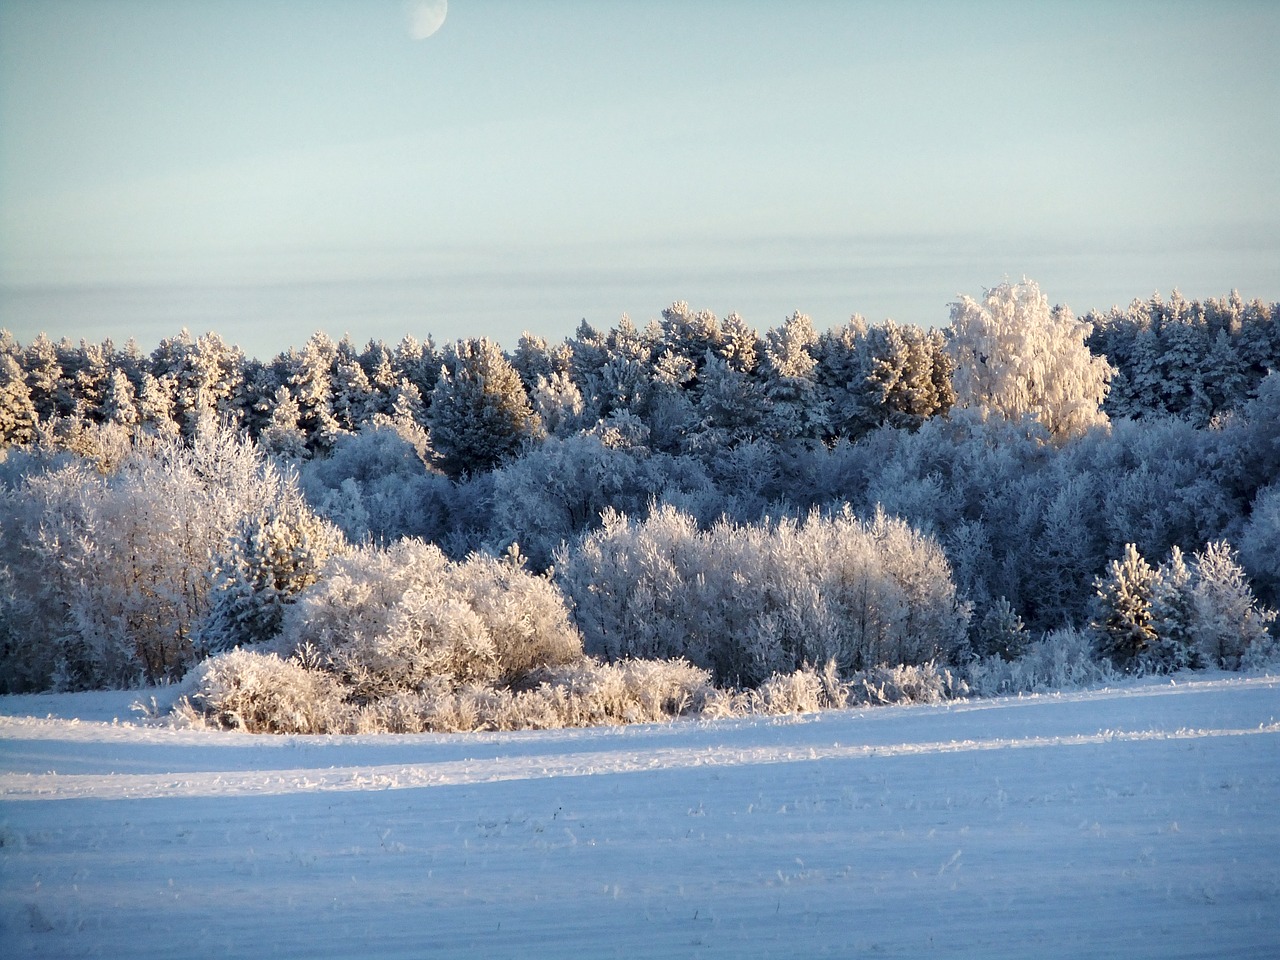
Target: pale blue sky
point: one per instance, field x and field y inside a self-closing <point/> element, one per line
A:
<point x="266" y="168"/>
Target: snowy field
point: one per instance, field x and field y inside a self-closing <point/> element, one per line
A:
<point x="1133" y="822"/>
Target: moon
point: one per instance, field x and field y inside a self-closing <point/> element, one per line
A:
<point x="426" y="17"/>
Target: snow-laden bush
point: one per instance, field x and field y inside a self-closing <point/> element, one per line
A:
<point x="1061" y="660"/>
<point x="110" y="573"/>
<point x="262" y="693"/>
<point x="905" y="683"/>
<point x="395" y="619"/>
<point x="748" y="601"/>
<point x="809" y="689"/>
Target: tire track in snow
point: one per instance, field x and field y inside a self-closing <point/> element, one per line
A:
<point x="239" y="783"/>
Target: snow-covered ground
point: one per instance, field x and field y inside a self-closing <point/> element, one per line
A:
<point x="1134" y="822"/>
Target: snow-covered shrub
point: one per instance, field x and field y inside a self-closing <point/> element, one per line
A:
<point x="629" y="691"/>
<point x="800" y="691"/>
<point x="262" y="693"/>
<point x="395" y="619"/>
<point x="905" y="683"/>
<point x="748" y="601"/>
<point x="808" y="690"/>
<point x="111" y="573"/>
<point x="1061" y="660"/>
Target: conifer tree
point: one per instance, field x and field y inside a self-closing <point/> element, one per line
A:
<point x="270" y="559"/>
<point x="1173" y="617"/>
<point x="1123" y="621"/>
<point x="17" y="413"/>
<point x="1001" y="632"/>
<point x="480" y="413"/>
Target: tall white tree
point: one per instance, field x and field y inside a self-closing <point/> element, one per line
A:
<point x="1017" y="357"/>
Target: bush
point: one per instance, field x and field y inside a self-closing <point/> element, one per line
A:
<point x="110" y="573"/>
<point x="262" y="693"/>
<point x="750" y="601"/>
<point x="1061" y="660"/>
<point x="395" y="619"/>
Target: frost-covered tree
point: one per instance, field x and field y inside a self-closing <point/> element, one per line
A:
<point x="112" y="570"/>
<point x="418" y="362"/>
<point x="480" y="414"/>
<point x="266" y="563"/>
<point x="1017" y="357"/>
<point x="1228" y="619"/>
<point x="1260" y="541"/>
<point x="557" y="492"/>
<point x="1123" y="619"/>
<point x="1001" y="632"/>
<point x="731" y="409"/>
<point x="156" y="407"/>
<point x="747" y="601"/>
<point x="355" y="401"/>
<point x="796" y="408"/>
<point x="1173" y="617"/>
<point x="119" y="404"/>
<point x="283" y="435"/>
<point x="44" y="378"/>
<point x="202" y="376"/>
<point x="18" y="416"/>
<point x="558" y="403"/>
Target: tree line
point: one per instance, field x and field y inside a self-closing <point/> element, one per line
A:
<point x="865" y="497"/>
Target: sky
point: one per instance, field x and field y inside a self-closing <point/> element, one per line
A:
<point x="269" y="168"/>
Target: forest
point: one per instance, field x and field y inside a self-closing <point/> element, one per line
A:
<point x="688" y="517"/>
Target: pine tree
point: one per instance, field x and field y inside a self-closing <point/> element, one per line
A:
<point x="1173" y="617"/>
<point x="283" y="436"/>
<point x="311" y="384"/>
<point x="17" y="413"/>
<point x="1228" y="618"/>
<point x="796" y="407"/>
<point x="156" y="407"/>
<point x="1123" y="620"/>
<point x="271" y="559"/>
<point x="118" y="402"/>
<point x="44" y="378"/>
<point x="480" y="413"/>
<point x="1001" y="632"/>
